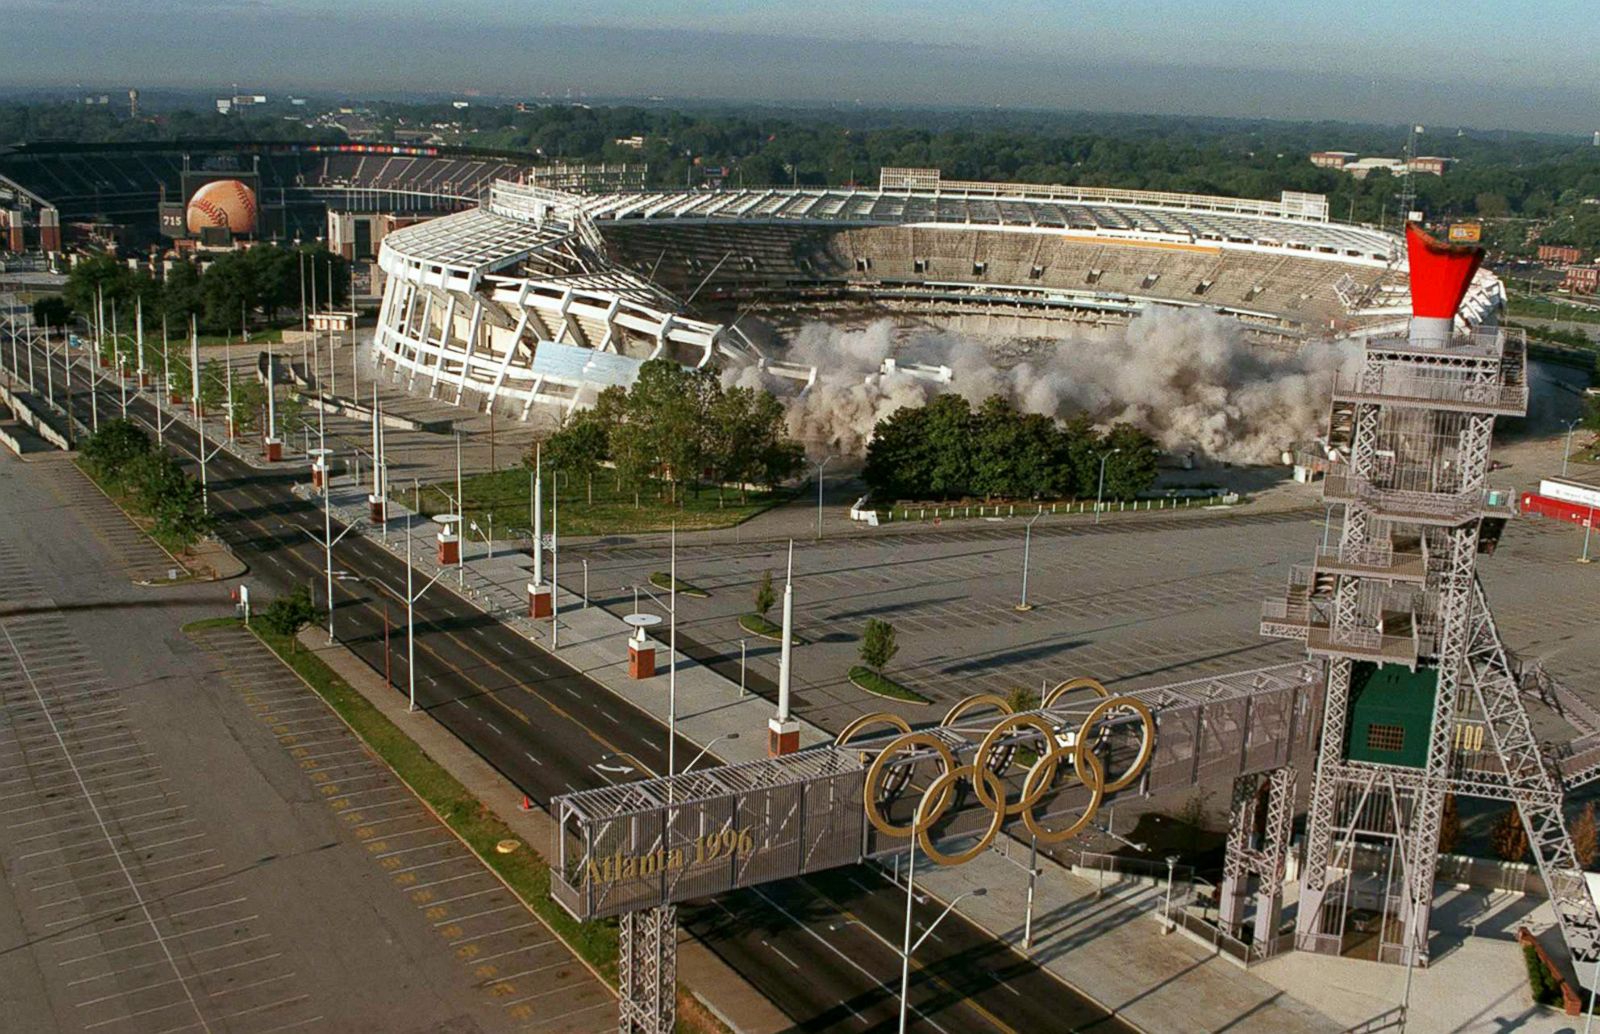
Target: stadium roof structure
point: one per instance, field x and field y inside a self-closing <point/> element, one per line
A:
<point x="1123" y="213"/>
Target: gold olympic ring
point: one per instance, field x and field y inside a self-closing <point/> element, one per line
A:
<point x="1081" y="682"/>
<point x="988" y="786"/>
<point x="1097" y="793"/>
<point x="1147" y="742"/>
<point x="963" y="706"/>
<point x="1049" y="757"/>
<point x="945" y="786"/>
<point x="874" y="773"/>
<point x="849" y="732"/>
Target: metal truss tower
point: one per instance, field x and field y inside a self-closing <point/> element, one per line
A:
<point x="647" y="970"/>
<point x="1421" y="699"/>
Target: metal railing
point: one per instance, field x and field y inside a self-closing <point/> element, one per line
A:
<point x="1454" y="506"/>
<point x="1452" y="389"/>
<point x="1375" y="559"/>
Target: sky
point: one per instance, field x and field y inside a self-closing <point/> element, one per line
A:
<point x="1514" y="64"/>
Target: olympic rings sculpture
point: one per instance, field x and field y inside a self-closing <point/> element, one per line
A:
<point x="993" y="756"/>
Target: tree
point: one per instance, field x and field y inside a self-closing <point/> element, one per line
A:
<point x="1586" y="836"/>
<point x="766" y="596"/>
<point x="1021" y="698"/>
<point x="949" y="446"/>
<point x="1449" y="826"/>
<point x="895" y="466"/>
<point x="1507" y="838"/>
<point x="1132" y="469"/>
<point x="52" y="309"/>
<point x="877" y="644"/>
<point x="662" y="417"/>
<point x="287" y="615"/>
<point x="95" y="280"/>
<point x="994" y="442"/>
<point x="578" y="448"/>
<point x="111" y="451"/>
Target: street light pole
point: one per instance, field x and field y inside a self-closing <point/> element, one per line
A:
<point x="1027" y="543"/>
<point x="1101" y="491"/>
<point x="411" y="621"/>
<point x="909" y="949"/>
<point x="461" y="504"/>
<point x="672" y="652"/>
<point x="1571" y="427"/>
<point x="824" y="463"/>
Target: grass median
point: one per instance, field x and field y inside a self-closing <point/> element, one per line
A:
<point x="882" y="685"/>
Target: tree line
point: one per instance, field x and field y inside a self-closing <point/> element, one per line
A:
<point x="677" y="427"/>
<point x="1521" y="176"/>
<point x="121" y="456"/>
<point x="261" y="281"/>
<point x="947" y="450"/>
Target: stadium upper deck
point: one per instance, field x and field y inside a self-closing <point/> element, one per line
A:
<point x="1132" y="215"/>
<point x="471" y="297"/>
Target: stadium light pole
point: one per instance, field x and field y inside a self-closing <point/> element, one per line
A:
<point x="1101" y="491"/>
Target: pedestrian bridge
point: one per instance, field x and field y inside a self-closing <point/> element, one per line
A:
<point x="983" y="770"/>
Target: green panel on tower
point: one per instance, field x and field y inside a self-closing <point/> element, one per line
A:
<point x="1391" y="714"/>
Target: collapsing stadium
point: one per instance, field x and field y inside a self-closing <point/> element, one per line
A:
<point x="541" y="297"/>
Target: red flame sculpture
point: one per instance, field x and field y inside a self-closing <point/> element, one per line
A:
<point x="1440" y="275"/>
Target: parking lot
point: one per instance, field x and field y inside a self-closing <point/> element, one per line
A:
<point x="1134" y="602"/>
<point x="138" y="922"/>
<point x="505" y="953"/>
<point x="192" y="841"/>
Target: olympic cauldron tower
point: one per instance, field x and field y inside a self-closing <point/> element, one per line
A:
<point x="1421" y="701"/>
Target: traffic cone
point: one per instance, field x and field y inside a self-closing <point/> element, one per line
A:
<point x="527" y="805"/>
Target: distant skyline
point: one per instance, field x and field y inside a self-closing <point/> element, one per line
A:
<point x="1513" y="65"/>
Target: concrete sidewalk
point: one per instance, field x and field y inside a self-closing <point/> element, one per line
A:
<point x="1105" y="946"/>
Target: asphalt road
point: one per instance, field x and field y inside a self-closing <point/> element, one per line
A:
<point x="545" y="726"/>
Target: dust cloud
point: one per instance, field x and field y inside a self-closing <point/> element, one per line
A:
<point x="1188" y="377"/>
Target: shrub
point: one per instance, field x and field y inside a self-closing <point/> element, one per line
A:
<point x="877" y="644"/>
<point x="1546" y="989"/>
<point x="765" y="595"/>
<point x="1586" y="836"/>
<point x="287" y="615"/>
